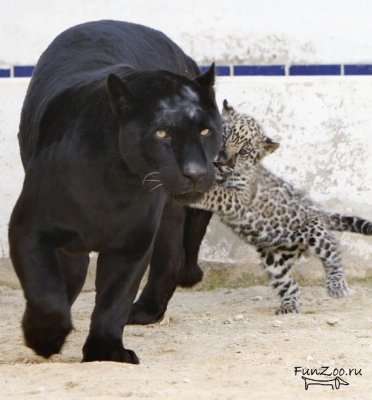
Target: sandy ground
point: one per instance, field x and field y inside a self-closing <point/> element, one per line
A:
<point x="220" y="344"/>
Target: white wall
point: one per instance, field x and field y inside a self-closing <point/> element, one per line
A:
<point x="324" y="125"/>
<point x="12" y="93"/>
<point x="236" y="31"/>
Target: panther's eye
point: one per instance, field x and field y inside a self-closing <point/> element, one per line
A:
<point x="205" y="132"/>
<point x="161" y="134"/>
<point x="243" y="152"/>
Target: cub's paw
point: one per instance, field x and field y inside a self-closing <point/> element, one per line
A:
<point x="337" y="287"/>
<point x="106" y="350"/>
<point x="287" y="309"/>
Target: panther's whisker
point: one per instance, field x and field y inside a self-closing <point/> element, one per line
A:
<point x="152" y="180"/>
<point x="157" y="186"/>
<point x="151" y="174"/>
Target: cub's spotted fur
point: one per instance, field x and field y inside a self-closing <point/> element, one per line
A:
<point x="269" y="213"/>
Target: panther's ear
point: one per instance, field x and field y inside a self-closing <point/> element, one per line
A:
<point x="268" y="146"/>
<point x="207" y="79"/>
<point x="120" y="93"/>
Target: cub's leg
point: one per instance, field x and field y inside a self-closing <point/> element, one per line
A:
<point x="166" y="261"/>
<point x="46" y="320"/>
<point x="323" y="245"/>
<point x="278" y="265"/>
<point x="74" y="269"/>
<point x="119" y="272"/>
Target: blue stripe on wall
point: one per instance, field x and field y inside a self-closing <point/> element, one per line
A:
<point x="4" y="72"/>
<point x="323" y="69"/>
<point x="355" y="69"/>
<point x="25" y="71"/>
<point x="221" y="70"/>
<point x="258" y="70"/>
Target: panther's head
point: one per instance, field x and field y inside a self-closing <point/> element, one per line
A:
<point x="170" y="129"/>
<point x="244" y="142"/>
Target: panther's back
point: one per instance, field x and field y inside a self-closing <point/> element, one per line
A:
<point x="89" y="52"/>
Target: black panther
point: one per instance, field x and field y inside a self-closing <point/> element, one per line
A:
<point x="118" y="133"/>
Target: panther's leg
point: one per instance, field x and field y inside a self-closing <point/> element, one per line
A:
<point x="278" y="265"/>
<point x="46" y="320"/>
<point x="196" y="223"/>
<point x="119" y="272"/>
<point x="74" y="269"/>
<point x="166" y="261"/>
<point x="323" y="245"/>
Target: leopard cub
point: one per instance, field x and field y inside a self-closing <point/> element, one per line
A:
<point x="270" y="214"/>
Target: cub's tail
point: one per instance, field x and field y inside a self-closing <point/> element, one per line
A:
<point x="348" y="223"/>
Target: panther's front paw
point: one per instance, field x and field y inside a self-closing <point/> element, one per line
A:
<point x="189" y="276"/>
<point x="139" y="316"/>
<point x="46" y="332"/>
<point x="108" y="350"/>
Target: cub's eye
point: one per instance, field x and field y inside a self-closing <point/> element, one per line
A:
<point x="205" y="132"/>
<point x="243" y="152"/>
<point x="161" y="134"/>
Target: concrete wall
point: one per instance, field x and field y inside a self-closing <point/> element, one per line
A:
<point x="12" y="93"/>
<point x="236" y="31"/>
<point x="324" y="125"/>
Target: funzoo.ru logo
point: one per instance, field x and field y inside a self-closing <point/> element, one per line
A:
<point x="333" y="376"/>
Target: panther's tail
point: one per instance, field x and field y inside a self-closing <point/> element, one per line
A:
<point x="348" y="223"/>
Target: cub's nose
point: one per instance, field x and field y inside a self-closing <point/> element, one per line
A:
<point x="194" y="171"/>
<point x="222" y="157"/>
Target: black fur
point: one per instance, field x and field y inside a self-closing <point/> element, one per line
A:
<point x="89" y="145"/>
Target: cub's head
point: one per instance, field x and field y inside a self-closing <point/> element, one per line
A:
<point x="170" y="129"/>
<point x="244" y="142"/>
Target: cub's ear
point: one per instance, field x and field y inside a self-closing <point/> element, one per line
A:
<point x="227" y="109"/>
<point x="269" y="146"/>
<point x="207" y="79"/>
<point x="120" y="93"/>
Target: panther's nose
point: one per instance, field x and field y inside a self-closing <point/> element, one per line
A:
<point x="194" y="171"/>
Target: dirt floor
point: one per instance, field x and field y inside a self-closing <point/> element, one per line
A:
<point x="219" y="344"/>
